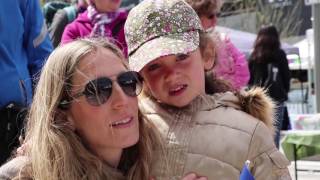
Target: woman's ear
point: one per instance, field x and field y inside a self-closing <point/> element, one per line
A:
<point x="71" y="122"/>
<point x="64" y="117"/>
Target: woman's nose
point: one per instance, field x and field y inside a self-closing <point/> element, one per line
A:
<point x="118" y="97"/>
<point x="214" y="21"/>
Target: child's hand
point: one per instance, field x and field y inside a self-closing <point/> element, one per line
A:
<point x="190" y="176"/>
<point x="194" y="176"/>
<point x="22" y="149"/>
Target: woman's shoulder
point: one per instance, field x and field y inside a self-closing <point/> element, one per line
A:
<point x="10" y="169"/>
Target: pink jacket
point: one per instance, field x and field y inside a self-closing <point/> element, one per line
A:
<point x="231" y="65"/>
<point x="82" y="27"/>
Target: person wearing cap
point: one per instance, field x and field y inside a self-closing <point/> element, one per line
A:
<point x="211" y="135"/>
<point x="231" y="64"/>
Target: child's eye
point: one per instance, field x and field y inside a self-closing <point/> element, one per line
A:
<point x="181" y="57"/>
<point x="153" y="67"/>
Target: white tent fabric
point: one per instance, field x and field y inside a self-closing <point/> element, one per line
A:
<point x="244" y="40"/>
<point x="306" y="46"/>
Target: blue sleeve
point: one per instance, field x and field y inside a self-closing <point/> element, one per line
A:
<point x="36" y="40"/>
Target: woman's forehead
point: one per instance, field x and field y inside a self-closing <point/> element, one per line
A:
<point x="103" y="62"/>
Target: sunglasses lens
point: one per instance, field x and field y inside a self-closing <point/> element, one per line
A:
<point x="98" y="91"/>
<point x="213" y="15"/>
<point x="130" y="83"/>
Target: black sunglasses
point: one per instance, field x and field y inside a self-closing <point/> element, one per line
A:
<point x="98" y="91"/>
<point x="213" y="15"/>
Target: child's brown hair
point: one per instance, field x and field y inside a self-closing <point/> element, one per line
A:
<point x="208" y="52"/>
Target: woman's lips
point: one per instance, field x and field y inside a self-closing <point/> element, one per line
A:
<point x="124" y="123"/>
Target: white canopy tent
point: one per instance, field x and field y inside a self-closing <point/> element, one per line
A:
<point x="244" y="41"/>
<point x="306" y="48"/>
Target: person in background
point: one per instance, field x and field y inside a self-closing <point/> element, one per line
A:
<point x="24" y="46"/>
<point x="210" y="135"/>
<point x="102" y="18"/>
<point x="63" y="17"/>
<point x="269" y="68"/>
<point x="231" y="64"/>
<point x="50" y="8"/>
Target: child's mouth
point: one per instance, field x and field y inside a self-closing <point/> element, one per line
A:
<point x="177" y="90"/>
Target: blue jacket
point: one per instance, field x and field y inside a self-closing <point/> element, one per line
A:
<point x="24" y="46"/>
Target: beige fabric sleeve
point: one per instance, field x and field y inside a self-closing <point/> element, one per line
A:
<point x="267" y="162"/>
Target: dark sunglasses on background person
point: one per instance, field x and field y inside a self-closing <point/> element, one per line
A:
<point x="99" y="90"/>
<point x="213" y="15"/>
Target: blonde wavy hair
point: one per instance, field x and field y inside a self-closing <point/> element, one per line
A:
<point x="208" y="50"/>
<point x="55" y="151"/>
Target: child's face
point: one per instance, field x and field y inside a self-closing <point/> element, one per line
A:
<point x="176" y="79"/>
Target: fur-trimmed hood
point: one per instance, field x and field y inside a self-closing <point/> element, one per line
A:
<point x="254" y="101"/>
<point x="258" y="104"/>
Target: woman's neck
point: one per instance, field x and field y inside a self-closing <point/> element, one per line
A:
<point x="110" y="156"/>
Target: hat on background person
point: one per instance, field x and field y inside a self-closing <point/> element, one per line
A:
<point x="156" y="28"/>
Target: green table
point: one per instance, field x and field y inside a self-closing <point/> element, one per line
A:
<point x="299" y="144"/>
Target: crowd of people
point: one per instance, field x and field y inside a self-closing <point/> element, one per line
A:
<point x="140" y="93"/>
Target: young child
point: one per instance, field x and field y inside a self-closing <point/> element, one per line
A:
<point x="206" y="134"/>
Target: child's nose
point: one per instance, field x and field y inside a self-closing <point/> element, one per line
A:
<point x="171" y="74"/>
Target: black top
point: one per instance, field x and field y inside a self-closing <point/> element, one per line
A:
<point x="273" y="74"/>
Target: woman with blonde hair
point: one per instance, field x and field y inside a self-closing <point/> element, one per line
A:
<point x="84" y="122"/>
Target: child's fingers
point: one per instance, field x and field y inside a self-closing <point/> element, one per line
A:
<point x="22" y="149"/>
<point x="202" y="178"/>
<point x="193" y="176"/>
<point x="190" y="176"/>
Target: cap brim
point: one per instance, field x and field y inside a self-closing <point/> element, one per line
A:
<point x="163" y="46"/>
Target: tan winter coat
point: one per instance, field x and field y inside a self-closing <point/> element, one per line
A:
<point x="214" y="137"/>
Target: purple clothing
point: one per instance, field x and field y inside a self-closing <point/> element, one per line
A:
<point x="82" y="27"/>
<point x="232" y="65"/>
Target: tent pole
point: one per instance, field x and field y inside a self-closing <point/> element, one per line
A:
<point x="316" y="30"/>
